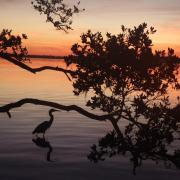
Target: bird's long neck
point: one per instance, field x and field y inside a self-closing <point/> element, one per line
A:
<point x="51" y="118"/>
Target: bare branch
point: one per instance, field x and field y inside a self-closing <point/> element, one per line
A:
<point x="35" y="70"/>
<point x="8" y="107"/>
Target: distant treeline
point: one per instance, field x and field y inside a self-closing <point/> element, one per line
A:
<point x="45" y="56"/>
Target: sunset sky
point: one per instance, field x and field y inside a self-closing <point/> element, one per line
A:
<point x="100" y="15"/>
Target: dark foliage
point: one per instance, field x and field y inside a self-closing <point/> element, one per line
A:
<point x="57" y="12"/>
<point x="11" y="44"/>
<point x="122" y="72"/>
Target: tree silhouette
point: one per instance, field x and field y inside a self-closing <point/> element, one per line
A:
<point x="57" y="12"/>
<point x="122" y="76"/>
<point x="11" y="45"/>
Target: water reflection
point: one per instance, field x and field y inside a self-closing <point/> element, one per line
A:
<point x="144" y="149"/>
<point x="147" y="143"/>
<point x="156" y="141"/>
<point x="43" y="143"/>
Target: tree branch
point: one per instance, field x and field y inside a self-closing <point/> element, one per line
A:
<point x="8" y="107"/>
<point x="35" y="70"/>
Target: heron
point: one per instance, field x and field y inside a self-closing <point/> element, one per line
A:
<point x="42" y="127"/>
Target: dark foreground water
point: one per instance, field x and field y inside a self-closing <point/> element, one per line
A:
<point x="70" y="136"/>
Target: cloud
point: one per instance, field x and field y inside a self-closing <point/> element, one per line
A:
<point x="7" y="1"/>
<point x="11" y="1"/>
<point x="133" y="6"/>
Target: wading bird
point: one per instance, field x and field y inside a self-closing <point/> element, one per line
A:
<point x="41" y="128"/>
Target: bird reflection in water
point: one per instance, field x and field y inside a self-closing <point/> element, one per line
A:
<point x="43" y="143"/>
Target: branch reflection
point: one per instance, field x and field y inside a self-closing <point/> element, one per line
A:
<point x="156" y="141"/>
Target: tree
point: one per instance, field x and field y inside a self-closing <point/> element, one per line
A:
<point x="57" y="12"/>
<point x="124" y="75"/>
<point x="124" y="78"/>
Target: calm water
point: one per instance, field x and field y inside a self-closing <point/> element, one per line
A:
<point x="71" y="134"/>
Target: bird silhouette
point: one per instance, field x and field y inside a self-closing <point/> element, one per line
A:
<point x="41" y="128"/>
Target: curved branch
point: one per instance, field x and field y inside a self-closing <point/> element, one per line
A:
<point x="8" y="107"/>
<point x="35" y="70"/>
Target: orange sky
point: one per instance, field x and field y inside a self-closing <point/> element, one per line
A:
<point x="101" y="15"/>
